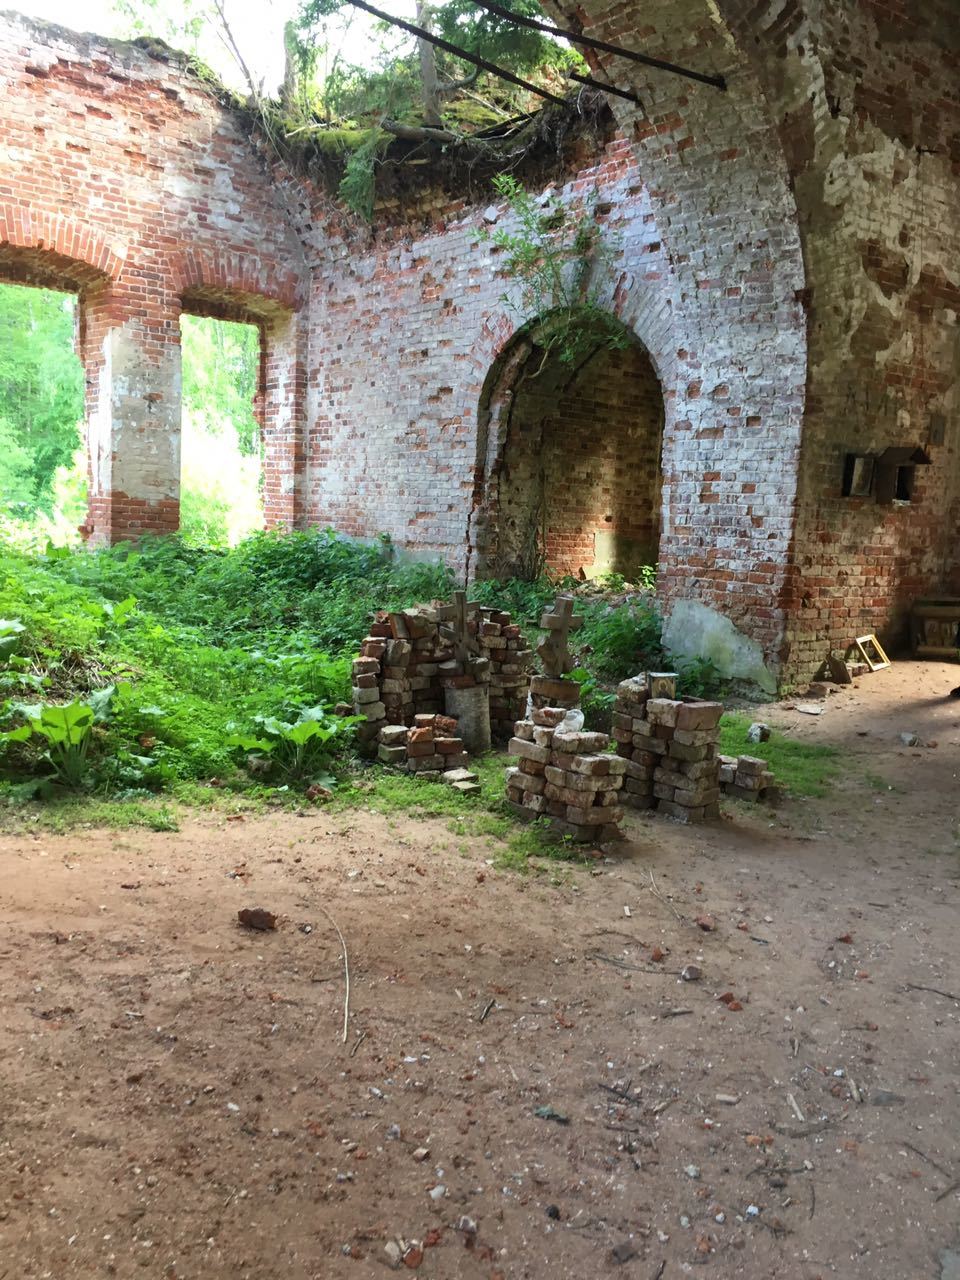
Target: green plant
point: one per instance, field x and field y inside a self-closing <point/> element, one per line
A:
<point x="620" y="639"/>
<point x="551" y="253"/>
<point x="699" y="678"/>
<point x="596" y="703"/>
<point x="298" y="749"/>
<point x="11" y="630"/>
<point x="67" y="731"/>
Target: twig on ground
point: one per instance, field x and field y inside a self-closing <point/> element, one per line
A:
<point x="622" y="1095"/>
<point x="794" y="1106"/>
<point x="813" y="1200"/>
<point x="346" y="972"/>
<point x="947" y="995"/>
<point x="657" y="894"/>
<point x="675" y="1013"/>
<point x="358" y="1042"/>
<point x="489" y="1005"/>
<point x="929" y="1159"/>
<point x="660" y="1270"/>
<point x="949" y="1191"/>
<point x="662" y="1106"/>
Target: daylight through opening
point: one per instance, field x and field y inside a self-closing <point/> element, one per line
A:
<point x="43" y="465"/>
<point x="221" y="451"/>
<point x="579" y="476"/>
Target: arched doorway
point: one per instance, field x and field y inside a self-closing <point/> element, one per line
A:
<point x="570" y="453"/>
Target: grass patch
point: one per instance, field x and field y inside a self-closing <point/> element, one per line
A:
<point x="514" y="845"/>
<point x="67" y="813"/>
<point x="802" y="768"/>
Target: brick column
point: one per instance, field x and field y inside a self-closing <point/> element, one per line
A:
<point x="130" y="346"/>
<point x="281" y="412"/>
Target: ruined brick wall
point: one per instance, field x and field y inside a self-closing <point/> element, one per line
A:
<point x="785" y="253"/>
<point x="126" y="181"/>
<point x="868" y="97"/>
<point x="409" y="335"/>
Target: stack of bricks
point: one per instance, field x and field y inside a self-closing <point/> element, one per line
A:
<point x="407" y="660"/>
<point x="747" y="778"/>
<point x="568" y="778"/>
<point x="503" y="643"/>
<point x="367" y="700"/>
<point x="670" y="746"/>
<point x="429" y="748"/>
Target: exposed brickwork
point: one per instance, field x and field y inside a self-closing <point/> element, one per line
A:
<point x="785" y="254"/>
<point x="127" y="182"/>
<point x="857" y="92"/>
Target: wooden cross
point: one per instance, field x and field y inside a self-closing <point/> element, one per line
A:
<point x="465" y="645"/>
<point x="553" y="648"/>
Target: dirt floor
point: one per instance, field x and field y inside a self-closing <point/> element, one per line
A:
<point x="527" y="1090"/>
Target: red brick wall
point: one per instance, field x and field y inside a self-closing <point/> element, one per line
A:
<point x="126" y="181"/>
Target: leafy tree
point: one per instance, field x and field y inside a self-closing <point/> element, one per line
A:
<point x="516" y="48"/>
<point x="41" y="392"/>
<point x="221" y="364"/>
<point x="550" y="252"/>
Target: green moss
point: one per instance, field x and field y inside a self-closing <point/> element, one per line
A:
<point x="337" y="141"/>
<point x="470" y="115"/>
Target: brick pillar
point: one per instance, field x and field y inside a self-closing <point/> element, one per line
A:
<point x="283" y="389"/>
<point x="130" y="346"/>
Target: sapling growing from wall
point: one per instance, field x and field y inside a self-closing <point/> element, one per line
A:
<point x="552" y="253"/>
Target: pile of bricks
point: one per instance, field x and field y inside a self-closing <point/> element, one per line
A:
<point x="407" y="660"/>
<point x="502" y="641"/>
<point x="747" y="778"/>
<point x="669" y="745"/>
<point x="429" y="745"/>
<point x="568" y="778"/>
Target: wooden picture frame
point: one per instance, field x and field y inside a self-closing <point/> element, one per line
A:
<point x="871" y="651"/>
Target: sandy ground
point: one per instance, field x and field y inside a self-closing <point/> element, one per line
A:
<point x="176" y="1101"/>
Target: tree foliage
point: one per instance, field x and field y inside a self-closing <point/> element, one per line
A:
<point x="41" y="394"/>
<point x="221" y="361"/>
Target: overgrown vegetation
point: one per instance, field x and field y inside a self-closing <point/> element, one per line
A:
<point x="41" y="402"/>
<point x="135" y="679"/>
<point x="43" y="465"/>
<point x="163" y="663"/>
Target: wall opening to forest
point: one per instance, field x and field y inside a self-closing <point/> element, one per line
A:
<point x="573" y="478"/>
<point x="43" y="457"/>
<point x="221" y="446"/>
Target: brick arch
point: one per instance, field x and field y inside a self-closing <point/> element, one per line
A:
<point x="235" y="281"/>
<point x="650" y="347"/>
<point x="57" y="247"/>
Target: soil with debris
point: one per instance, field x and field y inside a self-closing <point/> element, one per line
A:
<point x="528" y="1088"/>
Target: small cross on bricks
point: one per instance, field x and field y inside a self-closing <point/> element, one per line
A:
<point x="553" y="648"/>
<point x="458" y="614"/>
